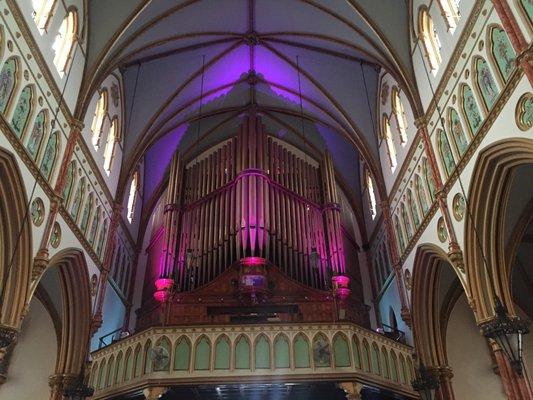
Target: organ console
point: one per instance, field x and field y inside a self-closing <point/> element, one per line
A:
<point x="254" y="227"/>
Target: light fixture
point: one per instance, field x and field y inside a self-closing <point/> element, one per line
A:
<point x="507" y="332"/>
<point x="78" y="391"/>
<point x="425" y="383"/>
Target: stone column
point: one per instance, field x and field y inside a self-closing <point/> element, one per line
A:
<point x="444" y="374"/>
<point x="154" y="393"/>
<point x="517" y="387"/>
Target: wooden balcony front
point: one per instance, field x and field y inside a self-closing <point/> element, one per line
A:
<point x="227" y="354"/>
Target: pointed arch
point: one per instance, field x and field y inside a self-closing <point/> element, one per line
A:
<point x="242" y="352"/>
<point x="164" y="342"/>
<point x="455" y="127"/>
<point x="23" y="110"/>
<point x="9" y="80"/>
<point x="87" y="213"/>
<point x="375" y="359"/>
<point x="485" y="83"/>
<point x="147" y="361"/>
<point x="341" y="351"/>
<point x="101" y="239"/>
<point x="137" y="361"/>
<point x="51" y="152"/>
<point x="371" y="193"/>
<point x="182" y="354"/>
<point x="399" y="114"/>
<point x="262" y="352"/>
<point x="37" y="135"/>
<point x="321" y="351"/>
<point x="282" y="351"/>
<point x="430" y="39"/>
<point x="128" y="365"/>
<point x="223" y="352"/>
<point x="399" y="233"/>
<point x="42" y="13"/>
<point x="470" y="109"/>
<point x="386" y="135"/>
<point x="110" y="147"/>
<point x="356" y="352"/>
<point x="450" y="13"/>
<point x="393" y="366"/>
<point x="65" y="41"/>
<point x="133" y="194"/>
<point x="100" y="382"/>
<point x="501" y="52"/>
<point x="406" y="221"/>
<point x="78" y="199"/>
<point x="69" y="183"/>
<point x="428" y="177"/>
<point x="202" y="354"/>
<point x="100" y="113"/>
<point x="445" y="153"/>
<point x="117" y="377"/>
<point x="15" y="249"/>
<point x="385" y="362"/>
<point x="302" y="355"/>
<point x="413" y="209"/>
<point x="365" y="355"/>
<point x="109" y="373"/>
<point x="421" y="195"/>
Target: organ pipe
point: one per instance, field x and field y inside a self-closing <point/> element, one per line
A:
<point x="252" y="196"/>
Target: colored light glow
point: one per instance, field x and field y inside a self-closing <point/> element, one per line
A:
<point x="341" y="281"/>
<point x="253" y="261"/>
<point x="164" y="283"/>
<point x="161" y="295"/>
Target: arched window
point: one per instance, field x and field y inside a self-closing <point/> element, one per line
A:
<point x="430" y="40"/>
<point x="399" y="114"/>
<point x="445" y="153"/>
<point x="371" y="195"/>
<point x="450" y="12"/>
<point x="502" y="51"/>
<point x="386" y="135"/>
<point x="132" y="198"/>
<point x="98" y="119"/>
<point x="64" y="42"/>
<point x="50" y="155"/>
<point x="109" y="152"/>
<point x="485" y="83"/>
<point x="42" y="11"/>
<point x="8" y="81"/>
<point x="22" y="111"/>
<point x="470" y="109"/>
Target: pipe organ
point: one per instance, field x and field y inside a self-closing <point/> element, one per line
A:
<point x="243" y="220"/>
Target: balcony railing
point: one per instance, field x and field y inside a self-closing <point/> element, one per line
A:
<point x="233" y="353"/>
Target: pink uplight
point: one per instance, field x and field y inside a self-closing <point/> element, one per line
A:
<point x="164" y="283"/>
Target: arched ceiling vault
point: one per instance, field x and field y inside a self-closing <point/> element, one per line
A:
<point x="224" y="57"/>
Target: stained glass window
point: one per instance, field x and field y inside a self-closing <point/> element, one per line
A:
<point x="78" y="199"/>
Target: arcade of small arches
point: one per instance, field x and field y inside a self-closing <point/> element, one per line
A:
<point x="250" y="199"/>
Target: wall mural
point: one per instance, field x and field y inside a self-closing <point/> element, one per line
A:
<point x="406" y="223"/>
<point x="101" y="239"/>
<point x="421" y="194"/>
<point x="50" y="155"/>
<point x="486" y="84"/>
<point x="37" y="134"/>
<point x="503" y="52"/>
<point x="412" y="207"/>
<point x="22" y="111"/>
<point x="458" y="133"/>
<point x="399" y="233"/>
<point x="527" y="6"/>
<point x="471" y="110"/>
<point x="94" y="225"/>
<point x="87" y="211"/>
<point x="8" y="77"/>
<point x="445" y="152"/>
<point x="430" y="181"/>
<point x="78" y="199"/>
<point x="69" y="182"/>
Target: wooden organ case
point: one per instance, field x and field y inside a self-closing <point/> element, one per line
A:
<point x="251" y="233"/>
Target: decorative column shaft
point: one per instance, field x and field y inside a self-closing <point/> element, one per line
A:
<point x="165" y="280"/>
<point x="106" y="267"/>
<point x="517" y="387"/>
<point x="40" y="262"/>
<point x="519" y="42"/>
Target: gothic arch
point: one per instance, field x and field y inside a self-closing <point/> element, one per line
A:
<point x="76" y="309"/>
<point x="428" y="331"/>
<point x="15" y="243"/>
<point x="492" y="179"/>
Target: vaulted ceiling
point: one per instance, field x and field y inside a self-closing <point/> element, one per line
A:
<point x="192" y="68"/>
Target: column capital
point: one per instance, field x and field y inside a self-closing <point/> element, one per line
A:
<point x="154" y="393"/>
<point x="352" y="390"/>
